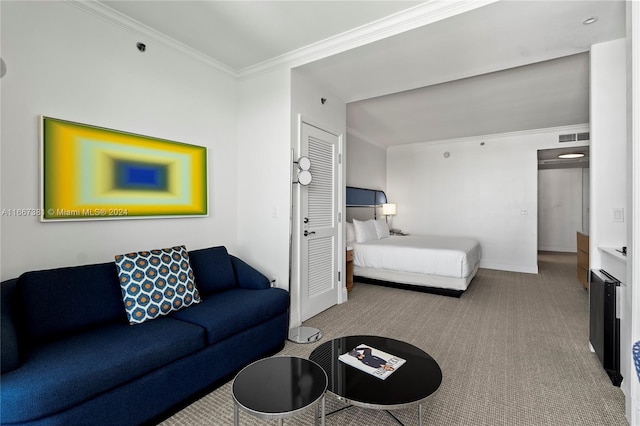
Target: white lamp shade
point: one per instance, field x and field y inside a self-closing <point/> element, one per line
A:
<point x="304" y="177"/>
<point x="388" y="209"/>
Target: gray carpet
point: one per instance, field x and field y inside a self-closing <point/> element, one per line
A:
<point x="513" y="351"/>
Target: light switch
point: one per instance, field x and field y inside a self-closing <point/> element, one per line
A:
<point x="618" y="215"/>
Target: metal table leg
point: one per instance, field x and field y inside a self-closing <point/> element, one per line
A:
<point x="235" y="414"/>
<point x="320" y="413"/>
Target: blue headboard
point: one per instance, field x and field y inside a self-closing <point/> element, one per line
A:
<point x="362" y="197"/>
<point x="371" y="199"/>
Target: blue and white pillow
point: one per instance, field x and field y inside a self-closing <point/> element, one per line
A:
<point x="156" y="282"/>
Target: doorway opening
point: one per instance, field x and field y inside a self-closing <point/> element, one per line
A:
<point x="563" y="205"/>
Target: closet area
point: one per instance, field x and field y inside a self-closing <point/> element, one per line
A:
<point x="563" y="205"/>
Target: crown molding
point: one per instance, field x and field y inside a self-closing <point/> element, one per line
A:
<point x="409" y="19"/>
<point x="136" y="27"/>
<point x="584" y="127"/>
<point x="406" y="20"/>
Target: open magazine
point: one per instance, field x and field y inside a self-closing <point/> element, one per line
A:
<point x="373" y="361"/>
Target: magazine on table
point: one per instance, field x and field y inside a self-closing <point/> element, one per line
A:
<point x="373" y="361"/>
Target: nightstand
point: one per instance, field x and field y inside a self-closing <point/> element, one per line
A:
<point x="349" y="273"/>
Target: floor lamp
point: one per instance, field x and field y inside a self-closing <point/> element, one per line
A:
<point x="301" y="334"/>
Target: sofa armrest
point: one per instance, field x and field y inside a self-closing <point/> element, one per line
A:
<point x="247" y="276"/>
<point x="10" y="359"/>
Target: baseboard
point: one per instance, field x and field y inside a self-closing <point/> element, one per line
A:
<point x="558" y="249"/>
<point x="527" y="269"/>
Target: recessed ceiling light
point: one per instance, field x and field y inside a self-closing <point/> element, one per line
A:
<point x="590" y="20"/>
<point x="571" y="155"/>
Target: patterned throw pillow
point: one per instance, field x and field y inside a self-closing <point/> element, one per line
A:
<point x="156" y="282"/>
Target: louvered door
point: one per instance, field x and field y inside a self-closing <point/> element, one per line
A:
<point x="319" y="234"/>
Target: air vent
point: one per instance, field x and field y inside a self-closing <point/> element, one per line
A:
<point x="583" y="136"/>
<point x="570" y="137"/>
<point x="573" y="137"/>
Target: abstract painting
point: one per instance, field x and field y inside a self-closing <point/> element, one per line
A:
<point x="93" y="173"/>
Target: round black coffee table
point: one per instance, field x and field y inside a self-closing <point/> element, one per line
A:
<point x="279" y="388"/>
<point x="411" y="384"/>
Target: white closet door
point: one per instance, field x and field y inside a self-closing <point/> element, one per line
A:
<point x="319" y="233"/>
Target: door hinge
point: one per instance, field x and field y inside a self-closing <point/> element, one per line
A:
<point x="339" y="217"/>
<point x="339" y="158"/>
<point x="339" y="277"/>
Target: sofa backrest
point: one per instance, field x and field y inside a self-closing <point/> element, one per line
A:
<point x="65" y="301"/>
<point x="247" y="276"/>
<point x="212" y="270"/>
<point x="10" y="322"/>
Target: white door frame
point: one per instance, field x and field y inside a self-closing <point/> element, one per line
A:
<point x="296" y="225"/>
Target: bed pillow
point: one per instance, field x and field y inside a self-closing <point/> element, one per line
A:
<point x="351" y="233"/>
<point x="156" y="282"/>
<point x="382" y="229"/>
<point x="365" y="230"/>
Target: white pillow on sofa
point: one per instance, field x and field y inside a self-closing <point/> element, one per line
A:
<point x="365" y="230"/>
<point x="382" y="229"/>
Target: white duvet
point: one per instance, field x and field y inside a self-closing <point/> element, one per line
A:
<point x="434" y="255"/>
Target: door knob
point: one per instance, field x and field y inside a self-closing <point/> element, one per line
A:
<point x="307" y="233"/>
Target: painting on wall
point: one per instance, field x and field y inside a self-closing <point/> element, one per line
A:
<point x="91" y="173"/>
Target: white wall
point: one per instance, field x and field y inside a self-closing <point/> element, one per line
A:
<point x="65" y="63"/>
<point x="264" y="172"/>
<point x="306" y="105"/>
<point x="367" y="164"/>
<point x="486" y="189"/>
<point x="633" y="193"/>
<point x="609" y="180"/>
<point x="608" y="147"/>
<point x="560" y="196"/>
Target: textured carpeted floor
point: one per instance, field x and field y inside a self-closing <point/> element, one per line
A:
<point x="513" y="351"/>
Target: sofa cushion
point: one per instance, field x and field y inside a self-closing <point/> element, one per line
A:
<point x="156" y="282"/>
<point x="80" y="367"/>
<point x="64" y="301"/>
<point x="235" y="310"/>
<point x="212" y="269"/>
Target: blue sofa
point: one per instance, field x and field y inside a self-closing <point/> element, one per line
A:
<point x="70" y="356"/>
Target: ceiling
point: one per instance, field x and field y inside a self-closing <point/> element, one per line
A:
<point x="502" y="67"/>
<point x="549" y="158"/>
<point x="241" y="34"/>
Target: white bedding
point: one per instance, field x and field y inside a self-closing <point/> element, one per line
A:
<point x="454" y="257"/>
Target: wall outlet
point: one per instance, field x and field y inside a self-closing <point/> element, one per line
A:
<point x="524" y="212"/>
<point x="274" y="281"/>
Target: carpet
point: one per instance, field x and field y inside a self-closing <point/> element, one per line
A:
<point x="513" y="351"/>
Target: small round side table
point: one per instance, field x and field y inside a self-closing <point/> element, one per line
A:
<point x="280" y="388"/>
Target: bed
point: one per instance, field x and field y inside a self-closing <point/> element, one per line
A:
<point x="433" y="263"/>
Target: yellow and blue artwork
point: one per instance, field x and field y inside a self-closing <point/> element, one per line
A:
<point x="91" y="172"/>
